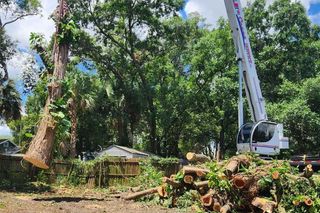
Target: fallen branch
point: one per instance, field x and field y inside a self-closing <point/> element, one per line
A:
<point x="174" y="184"/>
<point x="137" y="195"/>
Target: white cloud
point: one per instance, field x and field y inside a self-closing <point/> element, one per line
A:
<point x="5" y="131"/>
<point x="213" y="9"/>
<point x="20" y="62"/>
<point x="21" y="29"/>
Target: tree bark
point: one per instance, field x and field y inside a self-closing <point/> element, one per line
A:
<point x="141" y="194"/>
<point x="264" y="204"/>
<point x="40" y="149"/>
<point x="193" y="157"/>
<point x="74" y="125"/>
<point x="174" y="184"/>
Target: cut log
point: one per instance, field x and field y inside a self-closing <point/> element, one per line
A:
<point x="193" y="157"/>
<point x="201" y="184"/>
<point x="308" y="171"/>
<point x="174" y="184"/>
<point x="235" y="162"/>
<point x="308" y="201"/>
<point x="207" y="200"/>
<point x="216" y="205"/>
<point x="162" y="191"/>
<point x="241" y="181"/>
<point x="275" y="175"/>
<point x="264" y="204"/>
<point x="137" y="195"/>
<point x="188" y="179"/>
<point x="226" y="208"/>
<point x="195" y="170"/>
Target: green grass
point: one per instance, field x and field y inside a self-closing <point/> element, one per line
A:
<point x="2" y="205"/>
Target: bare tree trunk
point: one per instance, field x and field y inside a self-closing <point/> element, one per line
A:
<point x="40" y="149"/>
<point x="74" y="125"/>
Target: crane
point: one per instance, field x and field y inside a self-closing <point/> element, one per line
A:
<point x="260" y="136"/>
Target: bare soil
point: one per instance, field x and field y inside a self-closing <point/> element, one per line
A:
<point x="72" y="201"/>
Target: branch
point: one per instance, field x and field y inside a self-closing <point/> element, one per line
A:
<point x="17" y="18"/>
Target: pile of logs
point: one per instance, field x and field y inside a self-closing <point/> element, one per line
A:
<point x="248" y="184"/>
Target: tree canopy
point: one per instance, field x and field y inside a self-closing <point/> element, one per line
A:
<point x="140" y="75"/>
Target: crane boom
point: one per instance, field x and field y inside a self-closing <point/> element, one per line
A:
<point x="245" y="58"/>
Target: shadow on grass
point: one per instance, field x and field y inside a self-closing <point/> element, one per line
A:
<point x="67" y="199"/>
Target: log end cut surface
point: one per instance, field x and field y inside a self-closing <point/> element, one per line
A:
<point x="36" y="162"/>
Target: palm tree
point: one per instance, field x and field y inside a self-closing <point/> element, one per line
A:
<point x="10" y="101"/>
<point x="81" y="98"/>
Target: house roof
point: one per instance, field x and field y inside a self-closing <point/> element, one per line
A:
<point x="130" y="150"/>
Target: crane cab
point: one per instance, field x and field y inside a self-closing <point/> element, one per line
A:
<point x="264" y="138"/>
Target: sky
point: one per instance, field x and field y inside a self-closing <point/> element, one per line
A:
<point x="20" y="30"/>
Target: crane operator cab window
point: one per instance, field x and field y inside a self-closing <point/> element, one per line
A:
<point x="244" y="134"/>
<point x="263" y="132"/>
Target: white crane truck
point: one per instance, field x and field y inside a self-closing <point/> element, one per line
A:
<point x="261" y="136"/>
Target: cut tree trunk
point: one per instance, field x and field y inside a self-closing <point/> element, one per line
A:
<point x="193" y="157"/>
<point x="264" y="204"/>
<point x="188" y="179"/>
<point x="162" y="191"/>
<point x="216" y="205"/>
<point x="308" y="201"/>
<point x="234" y="164"/>
<point x="308" y="171"/>
<point x="137" y="195"/>
<point x="226" y="208"/>
<point x="74" y="125"/>
<point x="195" y="170"/>
<point x="207" y="199"/>
<point x="174" y="184"/>
<point x="40" y="149"/>
<point x="201" y="184"/>
<point x="241" y="181"/>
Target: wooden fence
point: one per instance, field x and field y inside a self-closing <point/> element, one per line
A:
<point x="13" y="169"/>
<point x="105" y="173"/>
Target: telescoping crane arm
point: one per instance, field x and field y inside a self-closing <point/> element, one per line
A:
<point x="246" y="60"/>
<point x="261" y="136"/>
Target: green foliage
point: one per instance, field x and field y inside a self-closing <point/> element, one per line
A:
<point x="69" y="32"/>
<point x="188" y="199"/>
<point x="42" y="177"/>
<point x="217" y="179"/>
<point x="10" y="101"/>
<point x="149" y="176"/>
<point x="165" y="90"/>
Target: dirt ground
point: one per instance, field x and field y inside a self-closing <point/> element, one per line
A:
<point x="72" y="201"/>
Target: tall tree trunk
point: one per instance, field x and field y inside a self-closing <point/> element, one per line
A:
<point x="74" y="125"/>
<point x="40" y="149"/>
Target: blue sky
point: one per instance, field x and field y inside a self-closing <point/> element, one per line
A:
<point x="19" y="31"/>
